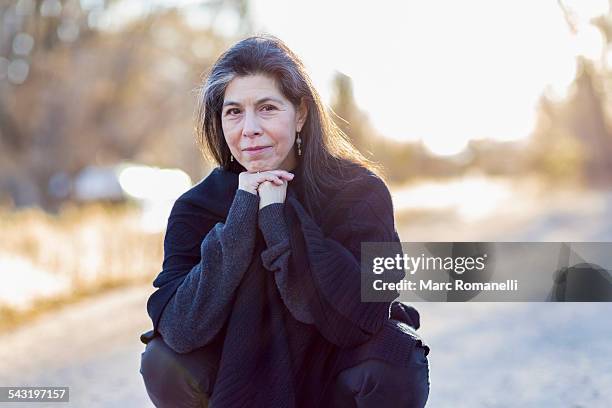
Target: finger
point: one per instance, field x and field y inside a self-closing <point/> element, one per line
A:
<point x="261" y="177"/>
<point x="263" y="185"/>
<point x="274" y="179"/>
<point x="279" y="173"/>
<point x="283" y="174"/>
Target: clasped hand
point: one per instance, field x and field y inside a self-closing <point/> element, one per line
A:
<point x="271" y="185"/>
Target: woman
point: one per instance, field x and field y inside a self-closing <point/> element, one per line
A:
<point x="258" y="303"/>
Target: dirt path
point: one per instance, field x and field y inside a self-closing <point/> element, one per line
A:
<point x="519" y="354"/>
<point x="483" y="354"/>
<point x="92" y="347"/>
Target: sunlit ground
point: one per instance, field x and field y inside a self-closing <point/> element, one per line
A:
<point x="480" y="208"/>
<point x="82" y="250"/>
<point x="44" y="256"/>
<point x="544" y="354"/>
<point x="471" y="198"/>
<point x="89" y="246"/>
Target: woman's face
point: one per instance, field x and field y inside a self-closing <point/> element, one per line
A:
<point x="259" y="124"/>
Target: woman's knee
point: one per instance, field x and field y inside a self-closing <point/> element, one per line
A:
<point x="375" y="383"/>
<point x="173" y="379"/>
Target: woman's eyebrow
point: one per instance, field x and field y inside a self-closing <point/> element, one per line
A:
<point x="257" y="102"/>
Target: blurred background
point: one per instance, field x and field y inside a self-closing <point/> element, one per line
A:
<point x="490" y="119"/>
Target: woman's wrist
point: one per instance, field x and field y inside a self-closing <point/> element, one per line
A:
<point x="267" y="200"/>
<point x="270" y="193"/>
<point x="248" y="190"/>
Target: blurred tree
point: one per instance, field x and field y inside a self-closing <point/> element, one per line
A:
<point x="573" y="139"/>
<point x="79" y="85"/>
<point x="587" y="123"/>
<point x="404" y="161"/>
<point x="401" y="161"/>
<point x="351" y="120"/>
<point x="554" y="152"/>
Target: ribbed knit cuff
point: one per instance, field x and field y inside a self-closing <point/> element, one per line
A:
<point x="244" y="208"/>
<point x="272" y="224"/>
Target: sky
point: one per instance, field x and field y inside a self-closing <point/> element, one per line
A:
<point x="440" y="71"/>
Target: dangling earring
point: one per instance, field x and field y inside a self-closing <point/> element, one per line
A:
<point x="299" y="144"/>
<point x="231" y="158"/>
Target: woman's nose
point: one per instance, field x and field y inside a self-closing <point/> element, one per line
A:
<point x="251" y="125"/>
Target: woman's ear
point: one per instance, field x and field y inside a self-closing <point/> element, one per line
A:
<point x="301" y="115"/>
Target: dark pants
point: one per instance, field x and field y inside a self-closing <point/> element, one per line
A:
<point x="186" y="380"/>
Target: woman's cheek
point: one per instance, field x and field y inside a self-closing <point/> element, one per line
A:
<point x="232" y="139"/>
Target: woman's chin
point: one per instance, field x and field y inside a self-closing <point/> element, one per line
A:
<point x="259" y="166"/>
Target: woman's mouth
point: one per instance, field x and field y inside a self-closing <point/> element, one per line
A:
<point x="256" y="150"/>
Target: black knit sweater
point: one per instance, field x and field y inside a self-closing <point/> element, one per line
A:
<point x="275" y="292"/>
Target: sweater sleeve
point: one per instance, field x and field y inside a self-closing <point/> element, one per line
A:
<point x="327" y="290"/>
<point x="202" y="302"/>
<point x="277" y="258"/>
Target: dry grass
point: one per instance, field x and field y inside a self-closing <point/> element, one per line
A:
<point x="95" y="247"/>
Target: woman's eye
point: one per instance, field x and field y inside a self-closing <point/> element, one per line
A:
<point x="268" y="107"/>
<point x="232" y="111"/>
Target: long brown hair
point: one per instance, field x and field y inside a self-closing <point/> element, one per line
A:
<point x="327" y="153"/>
